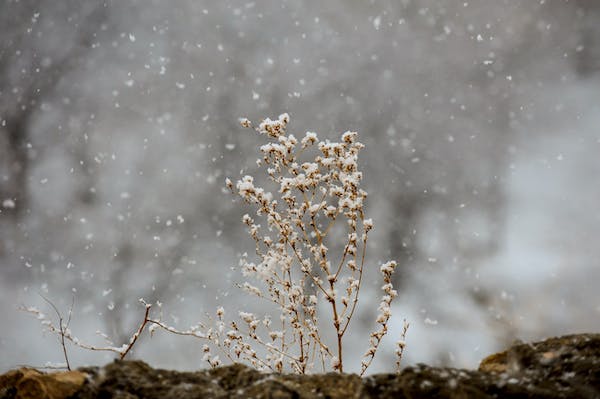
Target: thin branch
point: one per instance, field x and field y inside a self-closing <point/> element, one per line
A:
<point x="400" y="345"/>
<point x="360" y="274"/>
<point x="62" y="327"/>
<point x="138" y="332"/>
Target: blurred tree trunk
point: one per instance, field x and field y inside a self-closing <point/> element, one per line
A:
<point x="13" y="183"/>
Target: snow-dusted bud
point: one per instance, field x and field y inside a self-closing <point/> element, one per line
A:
<point x="245" y="122"/>
<point x="388" y="267"/>
<point x="349" y="137"/>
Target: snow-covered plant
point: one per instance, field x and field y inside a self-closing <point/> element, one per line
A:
<point x="297" y="266"/>
<point x="310" y="237"/>
<point x="65" y="333"/>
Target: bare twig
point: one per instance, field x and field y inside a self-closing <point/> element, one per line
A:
<point x="62" y="327"/>
<point x="66" y="334"/>
<point x="139" y="330"/>
<point x="400" y="345"/>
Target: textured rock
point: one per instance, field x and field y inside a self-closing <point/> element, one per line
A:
<point x="30" y="383"/>
<point x="564" y="367"/>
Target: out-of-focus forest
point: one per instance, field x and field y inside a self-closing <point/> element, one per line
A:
<point x="119" y="125"/>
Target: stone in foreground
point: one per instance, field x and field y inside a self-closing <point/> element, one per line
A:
<point x="563" y="367"/>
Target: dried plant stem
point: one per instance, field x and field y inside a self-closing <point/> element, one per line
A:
<point x="188" y="333"/>
<point x="336" y="323"/>
<point x="135" y="336"/>
<point x="401" y="345"/>
<point x="360" y="274"/>
<point x="62" y="327"/>
<point x="66" y="334"/>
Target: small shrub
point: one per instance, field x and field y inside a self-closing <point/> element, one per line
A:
<point x="316" y="188"/>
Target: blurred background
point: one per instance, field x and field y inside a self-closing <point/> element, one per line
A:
<point x="118" y="126"/>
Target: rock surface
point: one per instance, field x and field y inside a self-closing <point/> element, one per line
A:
<point x="30" y="383"/>
<point x="564" y="367"/>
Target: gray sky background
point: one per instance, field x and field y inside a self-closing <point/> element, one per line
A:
<point x="118" y="126"/>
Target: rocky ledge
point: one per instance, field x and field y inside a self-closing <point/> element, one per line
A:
<point x="563" y="367"/>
